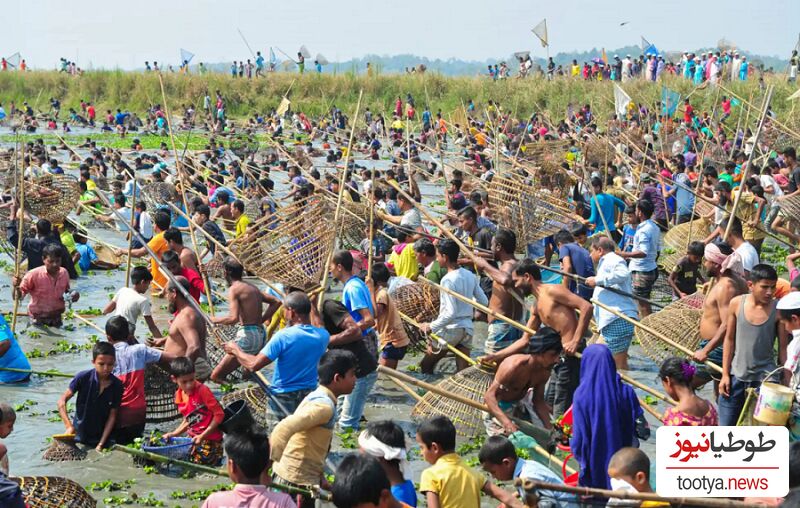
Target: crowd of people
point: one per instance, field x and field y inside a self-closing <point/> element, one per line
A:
<point x="325" y="352"/>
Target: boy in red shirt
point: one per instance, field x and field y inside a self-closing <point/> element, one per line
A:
<point x="201" y="412"/>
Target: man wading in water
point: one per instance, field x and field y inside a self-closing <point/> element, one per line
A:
<point x="520" y="380"/>
<point x="555" y="307"/>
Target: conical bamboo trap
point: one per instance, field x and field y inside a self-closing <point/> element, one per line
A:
<point x="471" y="383"/>
<point x="159" y="393"/>
<point x="216" y="338"/>
<point x="53" y="492"/>
<point x="256" y="401"/>
<point x="598" y="151"/>
<point x="52" y="197"/>
<point x="679" y="321"/>
<point x="420" y="302"/>
<point x="63" y="451"/>
<point x="531" y="209"/>
<point x="790" y="208"/>
<point x="157" y="194"/>
<point x="290" y="247"/>
<point x="677" y="239"/>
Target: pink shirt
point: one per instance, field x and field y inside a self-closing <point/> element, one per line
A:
<point x="249" y="496"/>
<point x="47" y="293"/>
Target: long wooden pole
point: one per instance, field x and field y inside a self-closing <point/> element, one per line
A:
<point x="182" y="179"/>
<point x="19" y="172"/>
<point x="132" y="207"/>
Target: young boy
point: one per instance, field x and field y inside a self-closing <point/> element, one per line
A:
<point x="626" y="243"/>
<point x="362" y="483"/>
<point x="300" y="442"/>
<point x="131" y="303"/>
<point x="386" y="441"/>
<point x="629" y="470"/>
<point x="686" y="274"/>
<point x="248" y="460"/>
<point x="99" y="397"/>
<point x="498" y="457"/>
<point x="449" y="482"/>
<point x="201" y="412"/>
<point x="392" y="335"/>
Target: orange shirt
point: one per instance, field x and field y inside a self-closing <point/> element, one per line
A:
<point x="159" y="246"/>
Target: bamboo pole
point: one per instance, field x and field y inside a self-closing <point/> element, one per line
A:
<point x="20" y="175"/>
<point x="656" y="334"/>
<point x="130" y="235"/>
<point x="523" y="425"/>
<point x="440" y="341"/>
<point x="182" y="180"/>
<point x="38" y="372"/>
<point x="88" y="323"/>
<point x="530" y="484"/>
<point x="762" y="119"/>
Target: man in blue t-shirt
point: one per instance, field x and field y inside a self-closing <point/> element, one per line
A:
<point x="574" y="259"/>
<point x="296" y="351"/>
<point x="356" y="298"/>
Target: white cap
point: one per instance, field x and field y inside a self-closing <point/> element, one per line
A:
<point x="790" y="301"/>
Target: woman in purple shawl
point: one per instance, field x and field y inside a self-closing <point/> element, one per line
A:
<point x="604" y="413"/>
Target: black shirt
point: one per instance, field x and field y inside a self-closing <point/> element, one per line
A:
<point x="92" y="408"/>
<point x="33" y="248"/>
<point x="794" y="179"/>
<point x="213" y="229"/>
<point x="333" y="313"/>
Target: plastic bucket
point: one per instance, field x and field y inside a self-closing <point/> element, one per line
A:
<point x="237" y="417"/>
<point x="774" y="404"/>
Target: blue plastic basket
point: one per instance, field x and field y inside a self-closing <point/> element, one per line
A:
<point x="176" y="448"/>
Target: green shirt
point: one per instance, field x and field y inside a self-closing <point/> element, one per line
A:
<point x="436" y="273"/>
<point x="69" y="243"/>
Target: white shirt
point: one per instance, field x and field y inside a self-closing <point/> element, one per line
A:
<point x="766" y="181"/>
<point x="146" y="225"/>
<point x="131" y="305"/>
<point x="453" y="313"/>
<point x="125" y="212"/>
<point x="748" y="254"/>
<point x="411" y="219"/>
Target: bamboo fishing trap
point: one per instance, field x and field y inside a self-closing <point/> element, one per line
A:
<point x="471" y="383"/>
<point x="52" y="197"/>
<point x="159" y="393"/>
<point x="677" y="239"/>
<point x="679" y="321"/>
<point x="256" y="401"/>
<point x="420" y="302"/>
<point x="53" y="492"/>
<point x="531" y="209"/>
<point x="63" y="450"/>
<point x="290" y="246"/>
<point x="216" y="338"/>
<point x="157" y="194"/>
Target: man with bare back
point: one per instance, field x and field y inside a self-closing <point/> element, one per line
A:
<point x="187" y="332"/>
<point x="565" y="312"/>
<point x="723" y="265"/>
<point x="519" y="382"/>
<point x="246" y="310"/>
<point x="502" y="301"/>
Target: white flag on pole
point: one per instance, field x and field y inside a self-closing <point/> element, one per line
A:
<point x="621" y="100"/>
<point x="794" y="96"/>
<point x="540" y="31"/>
<point x="305" y="52"/>
<point x="284" y="107"/>
<point x="186" y="56"/>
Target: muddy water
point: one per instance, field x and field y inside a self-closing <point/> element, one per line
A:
<point x="34" y="424"/>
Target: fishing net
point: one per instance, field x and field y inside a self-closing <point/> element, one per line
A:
<point x="290" y="246"/>
<point x="353" y="218"/>
<point x="530" y="209"/>
<point x="677" y="239"/>
<point x="218" y="336"/>
<point x="256" y="400"/>
<point x="63" y="451"/>
<point x="679" y="322"/>
<point x="53" y="492"/>
<point x="52" y="197"/>
<point x="420" y="302"/>
<point x="157" y="194"/>
<point x="470" y="383"/>
<point x="107" y="255"/>
<point x="159" y="393"/>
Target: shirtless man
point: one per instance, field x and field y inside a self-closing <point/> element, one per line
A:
<point x="188" y="258"/>
<point x="567" y="313"/>
<point x="246" y="310"/>
<point x="187" y="332"/>
<point x="728" y="273"/>
<point x="502" y="301"/>
<point x="224" y="211"/>
<point x="521" y="379"/>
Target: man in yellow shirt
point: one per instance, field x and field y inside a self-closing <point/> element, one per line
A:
<point x="403" y="259"/>
<point x="159" y="246"/>
<point x="242" y="220"/>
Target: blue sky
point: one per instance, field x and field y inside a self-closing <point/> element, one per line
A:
<point x="119" y="33"/>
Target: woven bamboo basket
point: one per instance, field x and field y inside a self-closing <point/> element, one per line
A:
<point x="546" y="150"/>
<point x="5" y="245"/>
<point x="353" y="222"/>
<point x="531" y="210"/>
<point x="218" y="336"/>
<point x="598" y="151"/>
<point x="63" y="451"/>
<point x="679" y="321"/>
<point x="420" y="302"/>
<point x="290" y="247"/>
<point x="256" y="400"/>
<point x="472" y="383"/>
<point x="790" y="208"/>
<point x="676" y="240"/>
<point x="107" y="255"/>
<point x="159" y="393"/>
<point x="214" y="267"/>
<point x="157" y="194"/>
<point x="252" y="208"/>
<point x="53" y="492"/>
<point x="52" y="197"/>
